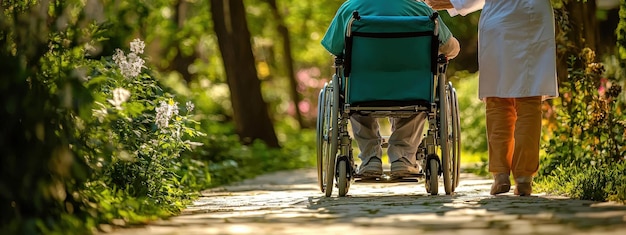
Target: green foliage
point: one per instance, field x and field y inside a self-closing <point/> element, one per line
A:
<point x="593" y="182"/>
<point x="586" y="142"/>
<point x="472" y="113"/>
<point x="41" y="97"/>
<point x="227" y="159"/>
<point x="307" y="22"/>
<point x="621" y="32"/>
<point x="138" y="128"/>
<point x="85" y="141"/>
<point x="591" y="128"/>
<point x="464" y="28"/>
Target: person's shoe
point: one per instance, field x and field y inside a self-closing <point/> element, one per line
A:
<point x="501" y="183"/>
<point x="373" y="168"/>
<point x="523" y="186"/>
<point x="404" y="168"/>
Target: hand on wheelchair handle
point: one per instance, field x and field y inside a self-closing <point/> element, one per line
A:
<point x="439" y="4"/>
<point x="442" y="59"/>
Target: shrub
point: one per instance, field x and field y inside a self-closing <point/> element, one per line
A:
<point x="41" y="95"/>
<point x="86" y="141"/>
<point x="139" y="128"/>
<point x="587" y="144"/>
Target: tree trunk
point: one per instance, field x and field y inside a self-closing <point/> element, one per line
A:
<point x="249" y="109"/>
<point x="621" y="34"/>
<point x="584" y="23"/>
<point x="288" y="55"/>
<point x="607" y="31"/>
<point x="581" y="32"/>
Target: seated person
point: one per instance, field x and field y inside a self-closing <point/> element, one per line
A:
<point x="406" y="132"/>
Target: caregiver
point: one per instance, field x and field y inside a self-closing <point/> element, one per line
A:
<point x="517" y="71"/>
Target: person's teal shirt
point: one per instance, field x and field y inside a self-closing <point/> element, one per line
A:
<point x="333" y="40"/>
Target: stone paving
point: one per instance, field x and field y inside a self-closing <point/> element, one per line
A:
<point x="290" y="202"/>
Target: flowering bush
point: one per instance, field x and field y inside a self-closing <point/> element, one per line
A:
<point x="130" y="133"/>
<point x="130" y="66"/>
<point x="586" y="141"/>
<point x="138" y="129"/>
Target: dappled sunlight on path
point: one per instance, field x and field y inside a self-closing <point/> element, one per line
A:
<point x="291" y="203"/>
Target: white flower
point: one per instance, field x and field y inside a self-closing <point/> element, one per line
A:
<point x="130" y="65"/>
<point x="165" y="112"/>
<point x="120" y="95"/>
<point x="136" y="46"/>
<point x="190" y="106"/>
<point x="135" y="64"/>
<point x="119" y="56"/>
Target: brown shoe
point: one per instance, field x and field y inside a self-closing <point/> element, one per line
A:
<point x="404" y="168"/>
<point x="371" y="169"/>
<point x="501" y="183"/>
<point x="523" y="186"/>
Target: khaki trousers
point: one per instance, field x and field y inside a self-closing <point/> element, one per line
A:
<point x="405" y="137"/>
<point x="513" y="135"/>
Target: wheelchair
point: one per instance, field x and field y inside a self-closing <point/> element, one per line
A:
<point x="390" y="68"/>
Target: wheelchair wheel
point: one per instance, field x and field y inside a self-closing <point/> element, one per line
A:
<point x="432" y="177"/>
<point x="456" y="138"/>
<point x="325" y="140"/>
<point x="342" y="178"/>
<point x="322" y="134"/>
<point x="444" y="136"/>
<point x="449" y="145"/>
<point x="332" y="139"/>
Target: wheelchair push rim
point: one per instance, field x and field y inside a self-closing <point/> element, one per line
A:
<point x="333" y="136"/>
<point x="321" y="136"/>
<point x="450" y="136"/>
<point x="326" y="139"/>
<point x="456" y="137"/>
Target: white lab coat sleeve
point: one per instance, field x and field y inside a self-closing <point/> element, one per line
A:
<point x="464" y="7"/>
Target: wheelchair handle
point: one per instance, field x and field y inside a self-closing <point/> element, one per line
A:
<point x="355" y="15"/>
<point x="442" y="59"/>
<point x="339" y="60"/>
<point x="434" y="15"/>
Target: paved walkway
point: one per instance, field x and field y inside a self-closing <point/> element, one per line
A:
<point x="290" y="203"/>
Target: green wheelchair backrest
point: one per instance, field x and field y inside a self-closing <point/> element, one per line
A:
<point x="390" y="59"/>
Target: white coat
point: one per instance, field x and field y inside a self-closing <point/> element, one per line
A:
<point x="517" y="49"/>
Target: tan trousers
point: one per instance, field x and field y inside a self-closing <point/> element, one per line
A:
<point x="513" y="135"/>
<point x="405" y="137"/>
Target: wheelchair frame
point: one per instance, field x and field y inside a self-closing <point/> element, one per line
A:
<point x="335" y="162"/>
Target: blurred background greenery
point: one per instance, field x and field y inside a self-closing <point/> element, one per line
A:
<point x="118" y="112"/>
